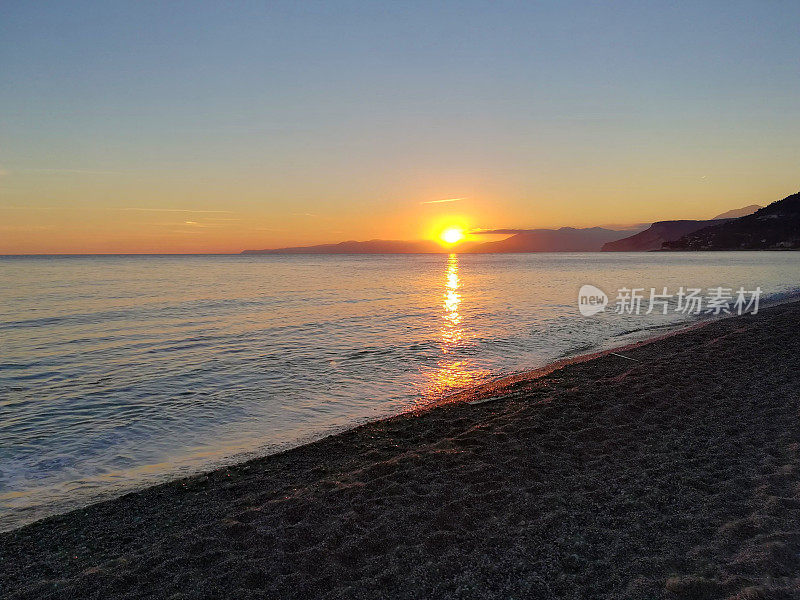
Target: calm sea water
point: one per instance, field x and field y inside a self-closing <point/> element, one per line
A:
<point x="116" y="372"/>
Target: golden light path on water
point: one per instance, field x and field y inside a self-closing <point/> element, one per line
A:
<point x="452" y="372"/>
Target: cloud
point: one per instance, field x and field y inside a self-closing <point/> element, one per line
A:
<point x="32" y="207"/>
<point x="512" y="231"/>
<point x="625" y="226"/>
<point x="26" y="227"/>
<point x="178" y="210"/>
<point x="304" y="215"/>
<point x="442" y="201"/>
<point x="75" y="171"/>
<point x="197" y="224"/>
<point x="498" y="231"/>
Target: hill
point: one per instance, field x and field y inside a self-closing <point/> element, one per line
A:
<point x="565" y="239"/>
<point x="654" y="236"/>
<point x="739" y="212"/>
<point x="773" y="227"/>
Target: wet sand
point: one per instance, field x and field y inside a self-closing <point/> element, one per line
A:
<point x="673" y="475"/>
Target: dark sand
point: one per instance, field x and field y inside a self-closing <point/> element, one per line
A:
<point x="673" y="477"/>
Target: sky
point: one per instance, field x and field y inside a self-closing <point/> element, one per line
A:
<point x="218" y="126"/>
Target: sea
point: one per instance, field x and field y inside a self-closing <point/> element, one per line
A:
<point x="118" y="372"/>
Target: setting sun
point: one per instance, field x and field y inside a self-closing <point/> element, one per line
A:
<point x="451" y="235"/>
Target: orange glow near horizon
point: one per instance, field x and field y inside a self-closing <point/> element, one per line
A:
<point x="71" y="214"/>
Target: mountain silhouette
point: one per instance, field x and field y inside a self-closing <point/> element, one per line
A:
<point x="566" y="239"/>
<point x="366" y="247"/>
<point x="739" y="212"/>
<point x="773" y="227"/>
<point x="654" y="236"/>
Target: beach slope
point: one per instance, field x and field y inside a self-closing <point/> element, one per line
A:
<point x="672" y="475"/>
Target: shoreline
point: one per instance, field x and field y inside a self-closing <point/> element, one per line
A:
<point x="491" y="388"/>
<point x="672" y="475"/>
<point x="473" y="393"/>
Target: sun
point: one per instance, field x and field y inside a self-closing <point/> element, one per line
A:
<point x="452" y="235"/>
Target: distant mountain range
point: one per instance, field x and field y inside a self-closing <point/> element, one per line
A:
<point x="565" y="239"/>
<point x="749" y="227"/>
<point x="739" y="212"/>
<point x="774" y="227"/>
<point x="367" y="247"/>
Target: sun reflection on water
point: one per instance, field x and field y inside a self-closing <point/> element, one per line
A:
<point x="452" y="332"/>
<point x="452" y="372"/>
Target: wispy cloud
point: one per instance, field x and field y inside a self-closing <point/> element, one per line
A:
<point x="202" y="225"/>
<point x="132" y="209"/>
<point x="73" y="171"/>
<point x="625" y="226"/>
<point x="25" y="227"/>
<point x="442" y="201"/>
<point x="177" y="210"/>
<point x="304" y="215"/>
<point x="498" y="231"/>
<point x="31" y="207"/>
<point x="512" y="230"/>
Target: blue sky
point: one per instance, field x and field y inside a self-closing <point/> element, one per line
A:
<point x="539" y="114"/>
